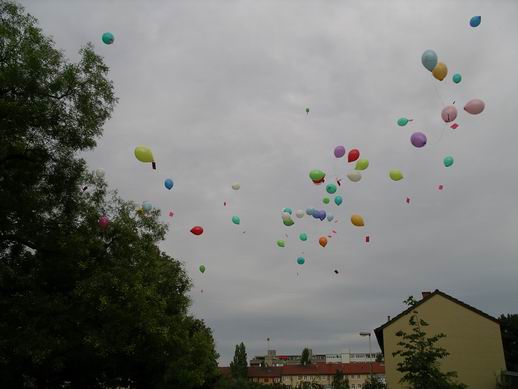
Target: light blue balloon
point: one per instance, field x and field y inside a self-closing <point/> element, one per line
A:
<point x="429" y="59"/>
<point x="338" y="200"/>
<point x="330" y="217"/>
<point x="310" y="211"/>
<point x="147" y="206"/>
<point x="168" y="183"/>
<point x="475" y="21"/>
<point x="287" y="210"/>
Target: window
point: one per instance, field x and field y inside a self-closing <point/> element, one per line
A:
<point x="359" y="386"/>
<point x="300" y="377"/>
<point x="353" y="386"/>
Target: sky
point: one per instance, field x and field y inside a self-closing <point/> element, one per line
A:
<point x="218" y="91"/>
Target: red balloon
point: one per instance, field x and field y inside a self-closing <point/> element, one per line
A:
<point x="197" y="230"/>
<point x="353" y="155"/>
<point x="104" y="222"/>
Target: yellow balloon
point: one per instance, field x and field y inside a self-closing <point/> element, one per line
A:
<point x="144" y="154"/>
<point x="440" y="71"/>
<point x="357" y="220"/>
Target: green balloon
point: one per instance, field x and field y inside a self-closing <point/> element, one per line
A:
<point x="307" y="110"/>
<point x="316" y="175"/>
<point x="448" y="161"/>
<point x="301" y="260"/>
<point x="331" y="188"/>
<point x="202" y="269"/>
<point x="303" y="237"/>
<point x="236" y="219"/>
<point x="396" y="175"/>
<point x="362" y="164"/>
<point x="326" y="200"/>
<point x="457" y="78"/>
<point x="288" y="222"/>
<point x="281" y="243"/>
<point x="402" y="121"/>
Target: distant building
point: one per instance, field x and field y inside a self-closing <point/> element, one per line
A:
<point x="349" y="357"/>
<point x="294" y="375"/>
<point x="272" y="359"/>
<point x="473" y="340"/>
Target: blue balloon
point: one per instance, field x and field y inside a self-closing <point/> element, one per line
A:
<point x="475" y="21"/>
<point x="168" y="183"/>
<point x="429" y="59"/>
<point x="147" y="206"/>
<point x="322" y="215"/>
<point x="310" y="211"/>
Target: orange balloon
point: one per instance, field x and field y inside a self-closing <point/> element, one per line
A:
<point x="357" y="220"/>
<point x="323" y="241"/>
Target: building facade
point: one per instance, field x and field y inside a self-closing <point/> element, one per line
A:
<point x="473" y="340"/>
<point x="272" y="359"/>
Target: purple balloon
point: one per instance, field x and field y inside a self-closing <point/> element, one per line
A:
<point x="418" y="139"/>
<point x="339" y="151"/>
<point x="322" y="215"/>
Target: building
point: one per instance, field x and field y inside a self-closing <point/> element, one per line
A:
<point x="473" y="340"/>
<point x="294" y="375"/>
<point x="349" y="357"/>
<point x="272" y="359"/>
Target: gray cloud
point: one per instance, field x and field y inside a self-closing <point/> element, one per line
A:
<point x="218" y="90"/>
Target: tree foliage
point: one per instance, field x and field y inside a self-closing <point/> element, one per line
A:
<point x="509" y="330"/>
<point x="420" y="357"/>
<point x="239" y="365"/>
<point x="81" y="306"/>
<point x="340" y="380"/>
<point x="374" y="382"/>
<point x="305" y="358"/>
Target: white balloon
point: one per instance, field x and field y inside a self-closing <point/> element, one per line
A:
<point x="100" y="173"/>
<point x="236" y="186"/>
<point x="354" y="176"/>
<point x="300" y="213"/>
<point x="286" y="216"/>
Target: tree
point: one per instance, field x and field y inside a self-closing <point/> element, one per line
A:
<point x="82" y="307"/>
<point x="420" y="357"/>
<point x="374" y="382"/>
<point x="509" y="330"/>
<point x="379" y="357"/>
<point x="340" y="381"/>
<point x="239" y="365"/>
<point x="305" y="358"/>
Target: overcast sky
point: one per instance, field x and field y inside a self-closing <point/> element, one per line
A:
<point x="218" y="90"/>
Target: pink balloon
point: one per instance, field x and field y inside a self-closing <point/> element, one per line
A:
<point x="339" y="151"/>
<point x="104" y="221"/>
<point x="449" y="113"/>
<point x="474" y="106"/>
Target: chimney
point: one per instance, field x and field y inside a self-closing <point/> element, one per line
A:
<point x="388" y="318"/>
<point x="426" y="294"/>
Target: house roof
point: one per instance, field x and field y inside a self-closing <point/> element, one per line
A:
<point x="379" y="331"/>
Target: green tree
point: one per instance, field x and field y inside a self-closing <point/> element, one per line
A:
<point x="421" y="357"/>
<point x="509" y="330"/>
<point x="340" y="380"/>
<point x="239" y="365"/>
<point x="374" y="382"/>
<point x="379" y="357"/>
<point x="305" y="358"/>
<point x="82" y="307"/>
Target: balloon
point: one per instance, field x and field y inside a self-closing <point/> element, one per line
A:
<point x="429" y="59"/>
<point x="418" y="139"/>
<point x="330" y="217"/>
<point x="303" y="236"/>
<point x="402" y="121"/>
<point x="317" y="176"/>
<point x="197" y="230"/>
<point x="108" y="38"/>
<point x="299" y="213"/>
<point x="310" y="211"/>
<point x="339" y="151"/>
<point x="99" y="173"/>
<point x="325" y="200"/>
<point x="281" y="243"/>
<point x="396" y="175"/>
<point x="354" y="176"/>
<point x="168" y="183"/>
<point x="440" y="71"/>
<point x="449" y="113"/>
<point x="353" y="155"/>
<point x="323" y="241"/>
<point x="357" y="220"/>
<point x="331" y="188"/>
<point x="236" y="220"/>
<point x="288" y="223"/>
<point x="448" y="161"/>
<point x="287" y="210"/>
<point x="319" y="214"/>
<point x="301" y="260"/>
<point x="104" y="222"/>
<point x="202" y="269"/>
<point x="474" y="106"/>
<point x="147" y="206"/>
<point x="286" y="216"/>
<point x="338" y="200"/>
<point x="457" y="78"/>
<point x="236" y="186"/>
<point x="362" y="164"/>
<point x="475" y="21"/>
<point x="144" y="154"/>
<point x="307" y="110"/>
